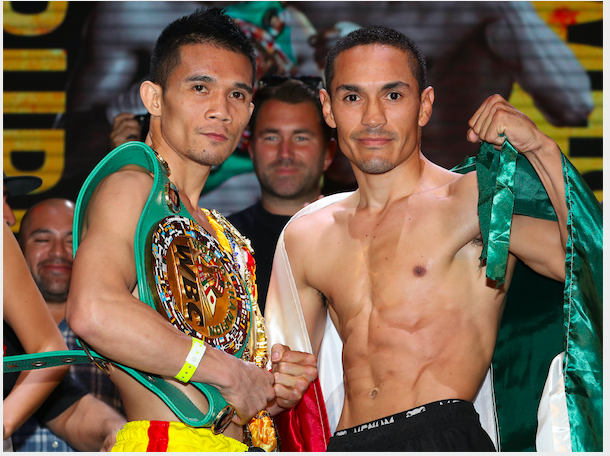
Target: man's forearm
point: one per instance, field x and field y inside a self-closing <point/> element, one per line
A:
<point x="547" y="162"/>
<point x="31" y="390"/>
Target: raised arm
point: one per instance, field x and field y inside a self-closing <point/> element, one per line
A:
<point x="28" y="315"/>
<point x="539" y="243"/>
<point x="102" y="310"/>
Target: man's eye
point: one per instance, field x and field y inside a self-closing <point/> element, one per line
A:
<point x="200" y="88"/>
<point x="352" y="98"/>
<point x="238" y="95"/>
<point x="270" y="138"/>
<point x="301" y="138"/>
<point x="394" y="96"/>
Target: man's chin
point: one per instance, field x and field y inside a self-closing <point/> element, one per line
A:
<point x="208" y="158"/>
<point x="210" y="161"/>
<point x="375" y="166"/>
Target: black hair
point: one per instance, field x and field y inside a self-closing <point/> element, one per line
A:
<point x="378" y="35"/>
<point x="204" y="26"/>
<point x="291" y="91"/>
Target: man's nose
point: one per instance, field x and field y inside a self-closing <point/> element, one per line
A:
<point x="9" y="215"/>
<point x="219" y="108"/>
<point x="60" y="249"/>
<point x="285" y="150"/>
<point x="374" y="114"/>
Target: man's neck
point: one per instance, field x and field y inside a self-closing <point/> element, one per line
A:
<point x="376" y="191"/>
<point x="188" y="176"/>
<point x="58" y="311"/>
<point x="283" y="206"/>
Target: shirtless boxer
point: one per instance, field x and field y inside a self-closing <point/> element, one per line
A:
<point x="199" y="98"/>
<point x="397" y="262"/>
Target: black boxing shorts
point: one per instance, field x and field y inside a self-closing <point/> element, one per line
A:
<point x="448" y="425"/>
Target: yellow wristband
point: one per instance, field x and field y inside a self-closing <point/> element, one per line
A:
<point x="192" y="361"/>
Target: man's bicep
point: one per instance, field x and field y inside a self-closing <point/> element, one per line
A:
<point x="104" y="265"/>
<point x="106" y="249"/>
<point x="538" y="244"/>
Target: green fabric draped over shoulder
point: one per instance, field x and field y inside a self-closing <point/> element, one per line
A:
<point x="542" y="318"/>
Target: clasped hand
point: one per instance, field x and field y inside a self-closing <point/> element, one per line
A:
<point x="253" y="389"/>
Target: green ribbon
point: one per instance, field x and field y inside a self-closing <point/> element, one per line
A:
<point x="496" y="177"/>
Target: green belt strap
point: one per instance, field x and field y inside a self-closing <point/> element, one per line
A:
<point x="175" y="399"/>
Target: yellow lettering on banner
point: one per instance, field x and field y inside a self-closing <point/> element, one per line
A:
<point x="34" y="24"/>
<point x="50" y="142"/>
<point x="34" y="102"/>
<point x="35" y="60"/>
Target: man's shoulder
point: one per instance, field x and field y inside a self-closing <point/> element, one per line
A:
<point x="463" y="185"/>
<point x="130" y="176"/>
<point x="322" y="213"/>
<point x="117" y="201"/>
<point x="129" y="183"/>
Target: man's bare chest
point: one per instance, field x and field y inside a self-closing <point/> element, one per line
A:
<point x="410" y="252"/>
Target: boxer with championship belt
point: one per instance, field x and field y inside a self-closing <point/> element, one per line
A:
<point x="199" y="360"/>
<point x="204" y="287"/>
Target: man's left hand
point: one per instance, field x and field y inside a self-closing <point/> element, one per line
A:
<point x="293" y="372"/>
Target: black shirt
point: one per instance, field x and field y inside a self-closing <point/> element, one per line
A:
<point x="263" y="229"/>
<point x="63" y="396"/>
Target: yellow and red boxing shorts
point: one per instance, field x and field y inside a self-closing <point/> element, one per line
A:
<point x="169" y="436"/>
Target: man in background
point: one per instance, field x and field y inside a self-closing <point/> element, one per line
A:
<point x="45" y="238"/>
<point x="291" y="147"/>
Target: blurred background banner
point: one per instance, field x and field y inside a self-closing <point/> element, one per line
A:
<point x="70" y="67"/>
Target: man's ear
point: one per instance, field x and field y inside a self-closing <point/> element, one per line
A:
<point x="151" y="94"/>
<point x="331" y="148"/>
<point x="326" y="108"/>
<point x="425" y="108"/>
<point x="251" y="109"/>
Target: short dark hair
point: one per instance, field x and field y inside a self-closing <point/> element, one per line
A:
<point x="291" y="91"/>
<point x="378" y="35"/>
<point x="204" y="26"/>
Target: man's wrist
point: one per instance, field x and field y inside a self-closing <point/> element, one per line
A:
<point x="545" y="147"/>
<point x="192" y="361"/>
<point x="220" y="370"/>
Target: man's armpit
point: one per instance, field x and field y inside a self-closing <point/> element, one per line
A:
<point x="323" y="300"/>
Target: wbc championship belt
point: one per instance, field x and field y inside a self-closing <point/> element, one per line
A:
<point x="198" y="288"/>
